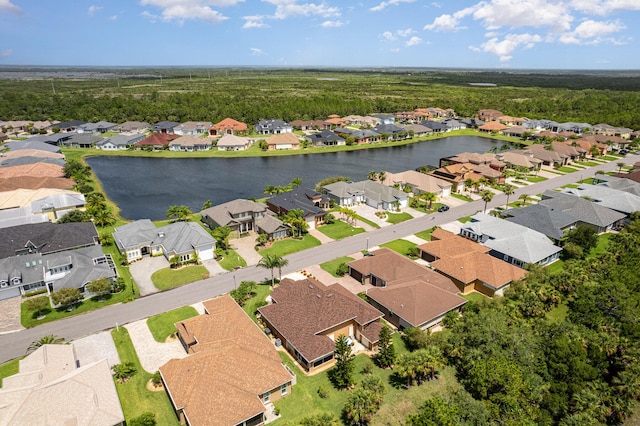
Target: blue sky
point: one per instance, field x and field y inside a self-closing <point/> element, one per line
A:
<point x="558" y="34"/>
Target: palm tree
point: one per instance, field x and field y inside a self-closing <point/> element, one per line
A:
<point x="429" y="197"/>
<point x="483" y="181"/>
<point x="468" y="184"/>
<point x="295" y="182"/>
<point x="382" y="176"/>
<point x="508" y="190"/>
<point x="269" y="189"/>
<point x="49" y="339"/>
<point x="620" y="166"/>
<point x="486" y="196"/>
<point x="281" y="262"/>
<point x="372" y="175"/>
<point x="270" y="261"/>
<point x="524" y="198"/>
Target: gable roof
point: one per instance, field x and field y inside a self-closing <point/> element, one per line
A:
<point x="545" y="219"/>
<point x="31" y="144"/>
<point x="233" y="365"/>
<point x="614" y="199"/>
<point x="222" y="214"/>
<point x="583" y="210"/>
<point x="48" y="379"/>
<point x="298" y="198"/>
<point x="178" y="237"/>
<point x="304" y="309"/>
<point x="156" y="139"/>
<point x="422" y="181"/>
<point x="283" y="139"/>
<point x="46" y="237"/>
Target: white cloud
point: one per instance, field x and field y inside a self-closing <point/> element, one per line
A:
<point x="413" y="41"/>
<point x="181" y="10"/>
<point x="504" y="48"/>
<point x="332" y="24"/>
<point x="113" y="17"/>
<point x="93" y="9"/>
<point x="604" y="7"/>
<point x="591" y="32"/>
<point x="7" y="7"/>
<point x="405" y="33"/>
<point x="6" y="53"/>
<point x="387" y="35"/>
<point x="288" y="8"/>
<point x="524" y="13"/>
<point x="254" y="21"/>
<point x="256" y="52"/>
<point x="448" y="22"/>
<point x="386" y="3"/>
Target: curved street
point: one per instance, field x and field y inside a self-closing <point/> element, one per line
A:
<point x="13" y="345"/>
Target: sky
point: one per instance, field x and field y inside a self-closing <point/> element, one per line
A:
<point x="508" y="34"/>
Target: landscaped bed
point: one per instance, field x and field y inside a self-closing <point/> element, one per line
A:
<point x="168" y="278"/>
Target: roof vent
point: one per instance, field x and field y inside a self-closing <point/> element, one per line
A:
<point x="318" y="296"/>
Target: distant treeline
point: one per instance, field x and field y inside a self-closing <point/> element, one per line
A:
<point x="250" y="95"/>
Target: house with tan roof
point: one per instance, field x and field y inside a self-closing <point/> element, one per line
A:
<point x="38" y="169"/>
<point x="459" y="173"/>
<point x="29" y="182"/>
<point x="307" y="317"/>
<point x="228" y="126"/>
<point x="52" y="387"/>
<point x="283" y="141"/>
<point x="233" y="143"/>
<point x="468" y="264"/>
<point x="518" y="159"/>
<point x="132" y="127"/>
<point x="489" y="114"/>
<point x="409" y="294"/>
<point x="190" y="143"/>
<point x="492" y="126"/>
<point x="511" y="121"/>
<point x="479" y="159"/>
<point x="232" y="370"/>
<point x="419" y="182"/>
<point x="310" y="125"/>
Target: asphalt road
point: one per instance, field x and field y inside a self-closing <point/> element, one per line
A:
<point x="13" y="345"/>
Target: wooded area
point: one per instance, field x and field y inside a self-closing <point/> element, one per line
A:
<point x="250" y="95"/>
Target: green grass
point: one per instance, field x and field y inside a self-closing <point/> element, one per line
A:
<point x="555" y="172"/>
<point x="556" y="266"/>
<point x="566" y="169"/>
<point x="401" y="246"/>
<point x="398" y="217"/>
<point x="397" y="404"/>
<point x="167" y="278"/>
<point x="570" y="185"/>
<point x="587" y="163"/>
<point x="261" y="292"/>
<point x="28" y="320"/>
<point x="465" y="219"/>
<point x="368" y="222"/>
<point x="9" y="368"/>
<point x="558" y="314"/>
<point x="231" y="260"/>
<point x="425" y="235"/>
<point x="461" y="197"/>
<point x="134" y="396"/>
<point x="601" y="248"/>
<point x="475" y="297"/>
<point x="291" y="245"/>
<point x="332" y="265"/>
<point x="162" y="325"/>
<point x="536" y="179"/>
<point x="611" y="157"/>
<point x="339" y="230"/>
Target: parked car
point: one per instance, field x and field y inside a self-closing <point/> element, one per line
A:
<point x="623" y="151"/>
<point x="443" y="208"/>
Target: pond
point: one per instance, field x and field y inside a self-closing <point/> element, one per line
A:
<point x="146" y="187"/>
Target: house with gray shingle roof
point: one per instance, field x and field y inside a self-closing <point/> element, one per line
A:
<point x="600" y="218"/>
<point x="311" y="203"/>
<point x="244" y="216"/>
<point x="551" y="222"/>
<point x="372" y="193"/>
<point x="273" y="127"/>
<point x="80" y="140"/>
<point x="614" y="199"/>
<point x="192" y="128"/>
<point x="325" y="138"/>
<point x="120" y="142"/>
<point x="183" y="239"/>
<point x="164" y="126"/>
<point x="46" y="238"/>
<point x="99" y="127"/>
<point x="509" y="241"/>
<point x="32" y="143"/>
<point x="620" y="183"/>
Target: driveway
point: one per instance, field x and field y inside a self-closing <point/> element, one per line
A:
<point x="152" y="354"/>
<point x="245" y="248"/>
<point x="142" y="270"/>
<point x="96" y="347"/>
<point x="213" y="267"/>
<point x="10" y="315"/>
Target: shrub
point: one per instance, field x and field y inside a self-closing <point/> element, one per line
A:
<point x="123" y="372"/>
<point x="322" y="392"/>
<point x="329" y="219"/>
<point x="66" y="296"/>
<point x="145" y="419"/>
<point x="342" y="269"/>
<point x="156" y="379"/>
<point x="118" y="285"/>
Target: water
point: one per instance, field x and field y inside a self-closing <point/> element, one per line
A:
<point x="146" y="187"/>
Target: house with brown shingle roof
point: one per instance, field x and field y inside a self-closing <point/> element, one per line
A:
<point x="38" y="169"/>
<point x="489" y="114"/>
<point x="159" y="140"/>
<point x="231" y="372"/>
<point x="409" y="294"/>
<point x="419" y="182"/>
<point x="228" y="126"/>
<point x="308" y="317"/>
<point x="492" y="126"/>
<point x="283" y="141"/>
<point x="468" y="264"/>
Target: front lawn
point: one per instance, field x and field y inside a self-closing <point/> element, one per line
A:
<point x="231" y="260"/>
<point x="257" y="300"/>
<point x="536" y="179"/>
<point x="9" y="368"/>
<point x="465" y="219"/>
<point x="368" y="222"/>
<point x="28" y="319"/>
<point x="461" y="197"/>
<point x="566" y="169"/>
<point x="163" y="325"/>
<point x="398" y="217"/>
<point x="167" y="278"/>
<point x="134" y="396"/>
<point x="400" y="246"/>
<point x="587" y="163"/>
<point x="425" y="235"/>
<point x="290" y="245"/>
<point x="339" y="230"/>
<point x="332" y="265"/>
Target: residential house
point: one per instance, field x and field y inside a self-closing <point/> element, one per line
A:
<point x="25" y="159"/>
<point x="311" y="203"/>
<point x="621" y="181"/>
<point x="408" y="294"/>
<point x="228" y="126"/>
<point x="307" y="317"/>
<point x="42" y="125"/>
<point x="233" y="143"/>
<point x="578" y="128"/>
<point x="468" y="264"/>
<point x="25" y="197"/>
<point x="419" y="183"/>
<point x="511" y="121"/>
<point x="46" y="238"/>
<point x="157" y="141"/>
<point x="15" y="126"/>
<point x="164" y="126"/>
<point x="614" y="199"/>
<point x="415" y="116"/>
<point x="457" y="174"/>
<point x="39" y="142"/>
<point x="232" y="370"/>
<point x="80" y="140"/>
<point x="392" y="131"/>
<point x="67" y="126"/>
<point x="516" y="131"/>
<point x="453" y="124"/>
<point x="359" y="136"/>
<point x="190" y="143"/>
<point x="417" y="130"/>
<point x="547" y="156"/>
<point x="32" y="182"/>
<point x="385" y="118"/>
<point x="273" y="127"/>
<point x="600" y="218"/>
<point x="435" y="126"/>
<point x="56" y="206"/>
<point x="608" y="130"/>
<point x="38" y="169"/>
<point x="486" y="159"/>
<point x="99" y="127"/>
<point x="183" y="239"/>
<point x="62" y="269"/>
<point x="120" y="142"/>
<point x="195" y="128"/>
<point x="52" y="376"/>
<point x="20" y="216"/>
<point x="358" y="120"/>
<point x="244" y="216"/>
<point x="515" y="159"/>
<point x="374" y="194"/>
<point x="510" y="242"/>
<point x="31" y="143"/>
<point x="552" y="222"/>
<point x="492" y="127"/>
<point x="334" y="120"/>
<point x="442" y="113"/>
<point x="306" y="125"/>
<point x="132" y="127"/>
<point x="283" y="141"/>
<point x="325" y="138"/>
<point x="489" y="114"/>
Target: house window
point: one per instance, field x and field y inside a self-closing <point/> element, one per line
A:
<point x="284" y="389"/>
<point x="266" y="398"/>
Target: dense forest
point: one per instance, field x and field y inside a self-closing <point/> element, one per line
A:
<point x="250" y="95"/>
